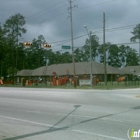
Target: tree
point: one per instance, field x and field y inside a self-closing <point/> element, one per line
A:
<point x="136" y="33"/>
<point x="35" y="56"/>
<point x="94" y="48"/>
<point x="128" y="56"/>
<point x="66" y="57"/>
<point x="101" y="51"/>
<point x="122" y="55"/>
<point x="50" y="57"/>
<point x="113" y="56"/>
<point x="78" y="55"/>
<point x="101" y="54"/>
<point x="57" y="57"/>
<point x="14" y="29"/>
<point x="40" y="50"/>
<point x="3" y="51"/>
<point x="132" y="57"/>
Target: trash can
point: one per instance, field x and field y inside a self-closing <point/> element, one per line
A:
<point x="22" y="82"/>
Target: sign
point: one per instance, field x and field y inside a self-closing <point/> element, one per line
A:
<point x="84" y="82"/>
<point x="66" y="47"/>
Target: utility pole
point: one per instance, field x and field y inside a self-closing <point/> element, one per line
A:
<point x="91" y="83"/>
<point x="17" y="53"/>
<point x="72" y="44"/>
<point x="11" y="46"/>
<point x="1" y="68"/>
<point x="17" y="47"/>
<point x="39" y="62"/>
<point x="139" y="51"/>
<point x="105" y="71"/>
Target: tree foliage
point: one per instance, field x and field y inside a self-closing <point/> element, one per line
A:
<point x="118" y="56"/>
<point x="14" y="56"/>
<point x="136" y="33"/>
<point x="94" y="48"/>
<point x="9" y="34"/>
<point x="113" y="56"/>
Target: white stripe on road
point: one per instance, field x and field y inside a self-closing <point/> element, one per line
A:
<point x="27" y="121"/>
<point x="73" y="130"/>
<point x="99" y="135"/>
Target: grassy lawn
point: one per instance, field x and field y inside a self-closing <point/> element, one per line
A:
<point x="110" y="85"/>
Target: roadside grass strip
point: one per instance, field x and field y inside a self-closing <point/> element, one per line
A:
<point x="138" y="96"/>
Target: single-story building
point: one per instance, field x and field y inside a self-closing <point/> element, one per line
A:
<point x="82" y="71"/>
<point x="135" y="70"/>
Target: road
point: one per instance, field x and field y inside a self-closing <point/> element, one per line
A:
<point x="68" y="114"/>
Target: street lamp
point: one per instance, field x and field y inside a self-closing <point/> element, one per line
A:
<point x="89" y="35"/>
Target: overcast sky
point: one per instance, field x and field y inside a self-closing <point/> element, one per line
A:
<point x="50" y="18"/>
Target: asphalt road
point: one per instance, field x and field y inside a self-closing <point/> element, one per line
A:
<point x="63" y="114"/>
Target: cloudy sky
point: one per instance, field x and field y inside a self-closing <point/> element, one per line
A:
<point x="50" y="18"/>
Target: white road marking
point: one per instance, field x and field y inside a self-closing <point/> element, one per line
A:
<point x="73" y="130"/>
<point x="64" y="114"/>
<point x="27" y="121"/>
<point x="99" y="135"/>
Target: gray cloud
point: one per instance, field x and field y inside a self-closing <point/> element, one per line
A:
<point x="50" y="18"/>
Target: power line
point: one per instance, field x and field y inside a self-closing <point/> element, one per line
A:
<point x="36" y="14"/>
<point x="96" y="4"/>
<point x="121" y="28"/>
<point x="29" y="10"/>
<point x="55" y="9"/>
<point x="81" y="47"/>
<point x="108" y="30"/>
<point x="98" y="31"/>
<point x="39" y="21"/>
<point x="59" y="41"/>
<point x="56" y="16"/>
<point x="79" y="9"/>
<point x="126" y="43"/>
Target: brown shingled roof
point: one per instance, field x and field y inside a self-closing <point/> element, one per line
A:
<point x="128" y="69"/>
<point x="40" y="71"/>
<point x="24" y="73"/>
<point x="80" y="68"/>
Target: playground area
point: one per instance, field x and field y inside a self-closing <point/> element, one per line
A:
<point x="54" y="81"/>
<point x="68" y="81"/>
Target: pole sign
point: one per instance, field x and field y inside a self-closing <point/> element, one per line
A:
<point x="66" y="47"/>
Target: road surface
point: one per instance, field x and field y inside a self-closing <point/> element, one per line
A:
<point x="68" y="114"/>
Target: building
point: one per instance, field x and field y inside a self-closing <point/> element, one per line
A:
<point x="82" y="71"/>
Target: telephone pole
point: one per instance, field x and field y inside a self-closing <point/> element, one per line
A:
<point x="105" y="71"/>
<point x="17" y="47"/>
<point x="72" y="44"/>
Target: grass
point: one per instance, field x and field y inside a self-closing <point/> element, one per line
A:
<point x="110" y="85"/>
<point x="138" y="96"/>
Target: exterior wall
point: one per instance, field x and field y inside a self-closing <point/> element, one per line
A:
<point x="48" y="79"/>
<point x="110" y="77"/>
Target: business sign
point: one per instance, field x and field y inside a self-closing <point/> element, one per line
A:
<point x="84" y="82"/>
